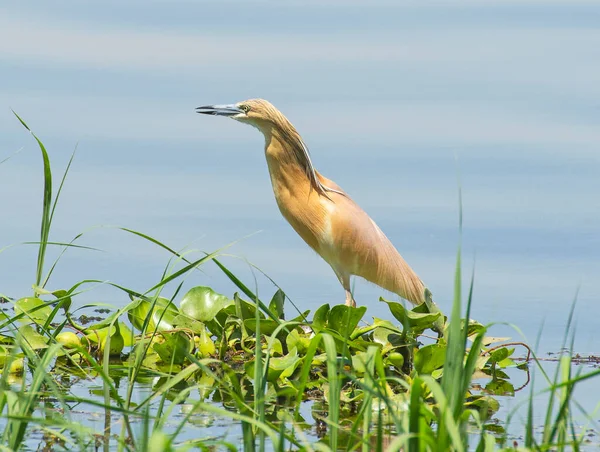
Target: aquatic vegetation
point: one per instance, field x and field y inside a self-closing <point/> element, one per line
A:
<point x="370" y="383"/>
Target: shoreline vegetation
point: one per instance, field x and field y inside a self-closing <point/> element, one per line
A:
<point x="370" y="384"/>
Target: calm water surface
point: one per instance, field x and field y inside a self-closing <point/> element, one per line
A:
<point x="397" y="101"/>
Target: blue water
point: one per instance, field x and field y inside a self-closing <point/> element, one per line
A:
<point x="399" y="103"/>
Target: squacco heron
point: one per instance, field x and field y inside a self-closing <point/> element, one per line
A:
<point x="326" y="218"/>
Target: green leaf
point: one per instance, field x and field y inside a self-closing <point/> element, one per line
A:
<point x="276" y="304"/>
<point x="279" y="368"/>
<point x="320" y="318"/>
<point x="34" y="308"/>
<point x="119" y="333"/>
<point x="429" y="358"/>
<point x="386" y="333"/>
<point x="243" y="309"/>
<point x="267" y="326"/>
<point x="499" y="355"/>
<point x="203" y="303"/>
<point x="32" y="338"/>
<point x="344" y="319"/>
<point x="183" y="321"/>
<point x="174" y="349"/>
<point x="507" y="363"/>
<point x="162" y="317"/>
<point x="500" y="387"/>
<point x="297" y="340"/>
<point x="416" y="321"/>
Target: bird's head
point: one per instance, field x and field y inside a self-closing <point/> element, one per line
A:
<point x="257" y="112"/>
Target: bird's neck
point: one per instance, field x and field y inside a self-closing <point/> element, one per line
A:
<point x="287" y="173"/>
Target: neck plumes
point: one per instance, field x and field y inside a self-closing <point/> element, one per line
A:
<point x="286" y="151"/>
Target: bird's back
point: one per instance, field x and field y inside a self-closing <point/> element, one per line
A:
<point x="354" y="244"/>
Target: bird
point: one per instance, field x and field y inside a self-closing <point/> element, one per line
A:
<point x="321" y="212"/>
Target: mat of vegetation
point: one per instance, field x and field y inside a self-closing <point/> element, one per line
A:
<point x="399" y="383"/>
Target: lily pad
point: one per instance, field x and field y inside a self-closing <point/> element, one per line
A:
<point x="203" y="303"/>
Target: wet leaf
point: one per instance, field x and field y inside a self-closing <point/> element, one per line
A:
<point x="203" y="303"/>
<point x="34" y="308"/>
<point x="429" y="358"/>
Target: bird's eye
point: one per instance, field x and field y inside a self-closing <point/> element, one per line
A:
<point x="245" y="108"/>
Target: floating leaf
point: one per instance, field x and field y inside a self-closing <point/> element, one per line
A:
<point x="34" y="308"/>
<point x="429" y="358"/>
<point x="203" y="303"/>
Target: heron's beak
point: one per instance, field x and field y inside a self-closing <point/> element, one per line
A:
<point x="220" y="110"/>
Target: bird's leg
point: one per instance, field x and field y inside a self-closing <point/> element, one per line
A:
<point x="350" y="299"/>
<point x="345" y="281"/>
